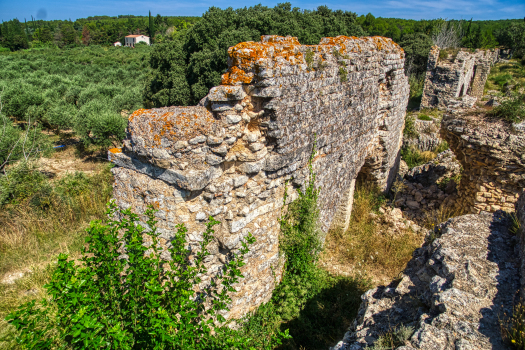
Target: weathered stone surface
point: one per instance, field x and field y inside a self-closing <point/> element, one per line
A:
<point x="427" y="138"/>
<point x="520" y="216"/>
<point x="458" y="80"/>
<point x="231" y="156"/>
<point x="453" y="292"/>
<point x="491" y="153"/>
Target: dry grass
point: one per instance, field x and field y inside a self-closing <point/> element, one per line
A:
<point x="31" y="238"/>
<point x="370" y="246"/>
<point x="439" y="215"/>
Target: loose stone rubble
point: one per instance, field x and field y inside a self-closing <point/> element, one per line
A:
<point x="492" y="153"/>
<point x="458" y="80"/>
<point x="233" y="155"/>
<point x="429" y="186"/>
<point x="453" y="292"/>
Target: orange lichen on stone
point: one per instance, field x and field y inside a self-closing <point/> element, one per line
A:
<point x="235" y="75"/>
<point x="115" y="150"/>
<point x="172" y="123"/>
<point x="136" y="113"/>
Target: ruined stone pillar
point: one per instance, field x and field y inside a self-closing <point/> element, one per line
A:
<point x="231" y="156"/>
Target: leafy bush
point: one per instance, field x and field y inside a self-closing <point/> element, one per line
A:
<point x="136" y="300"/>
<point x="21" y="182"/>
<point x="343" y="74"/>
<point x="101" y="129"/>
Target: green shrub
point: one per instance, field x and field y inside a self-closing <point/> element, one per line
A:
<point x="442" y="147"/>
<point x="410" y="129"/>
<point x="502" y="80"/>
<point x="101" y="129"/>
<point x="343" y="74"/>
<point x="136" y="300"/>
<point x="309" y="59"/>
<point x="21" y="182"/>
<point x="512" y="110"/>
<point x="394" y="338"/>
<point x="424" y="117"/>
<point x="443" y="54"/>
<point x="414" y="157"/>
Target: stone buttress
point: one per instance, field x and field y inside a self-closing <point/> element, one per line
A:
<point x="232" y="156"/>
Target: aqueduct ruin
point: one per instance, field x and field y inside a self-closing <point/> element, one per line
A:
<point x="232" y="155"/>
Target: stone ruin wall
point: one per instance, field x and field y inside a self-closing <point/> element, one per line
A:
<point x="455" y="77"/>
<point x="492" y="154"/>
<point x="232" y="155"/>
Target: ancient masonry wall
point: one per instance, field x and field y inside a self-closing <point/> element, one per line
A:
<point x="459" y="75"/>
<point x="232" y="155"/>
<point x="491" y="152"/>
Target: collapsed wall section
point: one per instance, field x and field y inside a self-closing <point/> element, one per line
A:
<point x="233" y="155"/>
<point x="454" y="75"/>
<point x="491" y="152"/>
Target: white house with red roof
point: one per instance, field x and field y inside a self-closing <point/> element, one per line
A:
<point x="132" y="40"/>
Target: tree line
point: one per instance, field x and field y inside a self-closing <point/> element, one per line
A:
<point x="98" y="30"/>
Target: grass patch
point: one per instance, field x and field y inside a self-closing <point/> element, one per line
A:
<point x="505" y="74"/>
<point x="416" y="82"/>
<point x="369" y="245"/>
<point x="393" y="338"/>
<point x="512" y="109"/>
<point x="43" y="217"/>
<point x="513" y="327"/>
<point x="424" y="117"/>
<point x="414" y="157"/>
<point x="410" y="128"/>
<point x="40" y="219"/>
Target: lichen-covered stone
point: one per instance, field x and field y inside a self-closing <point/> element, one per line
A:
<point x="232" y="156"/>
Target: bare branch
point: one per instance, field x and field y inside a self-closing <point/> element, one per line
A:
<point x="449" y="35"/>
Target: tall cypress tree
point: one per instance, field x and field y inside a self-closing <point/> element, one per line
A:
<point x="151" y="28"/>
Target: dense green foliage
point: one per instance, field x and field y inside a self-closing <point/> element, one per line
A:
<point x="98" y="30"/>
<point x="204" y="47"/>
<point x="84" y="89"/>
<point x="136" y="301"/>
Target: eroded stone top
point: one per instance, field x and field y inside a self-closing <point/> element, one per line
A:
<point x="251" y="61"/>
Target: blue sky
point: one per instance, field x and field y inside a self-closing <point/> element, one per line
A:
<point x="410" y="9"/>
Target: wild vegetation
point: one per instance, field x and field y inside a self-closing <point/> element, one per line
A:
<point x="61" y="83"/>
<point x="369" y="245"/>
<point x="87" y="89"/>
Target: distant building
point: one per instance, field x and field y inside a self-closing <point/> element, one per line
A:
<point x="132" y="40"/>
<point x="118" y="43"/>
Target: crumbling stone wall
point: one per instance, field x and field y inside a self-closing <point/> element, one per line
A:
<point x="459" y="75"/>
<point x="233" y="155"/>
<point x="492" y="154"/>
